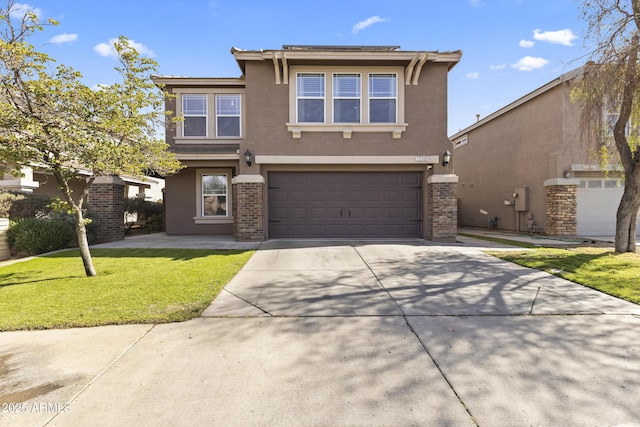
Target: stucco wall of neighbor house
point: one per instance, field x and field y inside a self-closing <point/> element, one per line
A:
<point x="180" y="206"/>
<point x="49" y="185"/>
<point x="520" y="148"/>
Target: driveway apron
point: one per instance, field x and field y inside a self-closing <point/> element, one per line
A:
<point x="368" y="333"/>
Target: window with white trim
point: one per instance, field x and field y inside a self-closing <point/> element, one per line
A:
<point x="310" y="97"/>
<point x="383" y="98"/>
<point x="194" y="111"/>
<point x="228" y="115"/>
<point x="214" y="195"/>
<point x="346" y="97"/>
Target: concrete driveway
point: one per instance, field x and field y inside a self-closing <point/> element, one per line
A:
<point x="343" y="334"/>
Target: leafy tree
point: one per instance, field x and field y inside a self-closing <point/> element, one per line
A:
<point x="49" y="118"/>
<point x="609" y="92"/>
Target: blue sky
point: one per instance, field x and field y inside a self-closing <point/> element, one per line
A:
<point x="510" y="47"/>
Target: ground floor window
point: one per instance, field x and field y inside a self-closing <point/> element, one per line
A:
<point x="213" y="195"/>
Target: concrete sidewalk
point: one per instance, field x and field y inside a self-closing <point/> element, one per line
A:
<point x="344" y="334"/>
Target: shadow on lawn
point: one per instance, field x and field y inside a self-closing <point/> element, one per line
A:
<point x="173" y="254"/>
<point x="557" y="262"/>
<point x="12" y="279"/>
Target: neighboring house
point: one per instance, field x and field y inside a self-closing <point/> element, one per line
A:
<point x="315" y="142"/>
<point x="105" y="200"/>
<point x="525" y="168"/>
<point x="36" y="180"/>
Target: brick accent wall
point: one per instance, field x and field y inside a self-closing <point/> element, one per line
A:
<point x="248" y="211"/>
<point x="106" y="203"/>
<point x="561" y="210"/>
<point x="442" y="211"/>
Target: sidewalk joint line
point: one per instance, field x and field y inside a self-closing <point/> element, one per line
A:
<point x="104" y="371"/>
<point x="406" y="320"/>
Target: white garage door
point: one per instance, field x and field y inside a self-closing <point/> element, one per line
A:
<point x="598" y="201"/>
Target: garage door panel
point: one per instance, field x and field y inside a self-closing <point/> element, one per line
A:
<point x="345" y="204"/>
<point x="597" y="204"/>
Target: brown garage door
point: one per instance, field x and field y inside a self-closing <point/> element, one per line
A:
<point x="345" y="204"/>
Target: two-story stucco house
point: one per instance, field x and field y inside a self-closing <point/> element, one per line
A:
<point x="315" y="142"/>
<point x="527" y="167"/>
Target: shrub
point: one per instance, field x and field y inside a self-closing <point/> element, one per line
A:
<point x="33" y="236"/>
<point x="154" y="223"/>
<point x="140" y="212"/>
<point x="24" y="205"/>
<point x="6" y="200"/>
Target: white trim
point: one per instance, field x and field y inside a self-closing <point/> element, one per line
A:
<point x="443" y="179"/>
<point x="202" y="156"/>
<point x="347" y="160"/>
<point x="244" y="179"/>
<point x="200" y="218"/>
<point x="561" y="181"/>
<point x="395" y="129"/>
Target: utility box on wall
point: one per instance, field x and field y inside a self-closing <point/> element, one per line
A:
<point x="521" y="196"/>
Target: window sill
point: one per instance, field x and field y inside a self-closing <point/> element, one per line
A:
<point x="210" y="220"/>
<point x="395" y="129"/>
<point x="205" y="140"/>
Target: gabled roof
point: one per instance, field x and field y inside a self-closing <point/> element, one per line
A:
<point x="570" y="75"/>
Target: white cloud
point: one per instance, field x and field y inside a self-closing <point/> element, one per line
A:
<point x="366" y="23"/>
<point x="526" y="43"/>
<point x="475" y="3"/>
<point x="63" y="38"/>
<point x="563" y="37"/>
<point x="20" y="9"/>
<point x="473" y="76"/>
<point x="498" y="67"/>
<point x="107" y="49"/>
<point x="529" y="63"/>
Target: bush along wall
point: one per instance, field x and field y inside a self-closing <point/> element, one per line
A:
<point x="35" y="228"/>
<point x="143" y="214"/>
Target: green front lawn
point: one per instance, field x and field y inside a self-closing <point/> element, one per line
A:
<point x="597" y="268"/>
<point x="132" y="286"/>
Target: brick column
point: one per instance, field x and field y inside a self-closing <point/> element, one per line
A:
<point x="106" y="205"/>
<point x="248" y="207"/>
<point x="442" y="208"/>
<point x="561" y="207"/>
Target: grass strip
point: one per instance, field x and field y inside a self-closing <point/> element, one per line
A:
<point x="501" y="241"/>
<point x="597" y="268"/>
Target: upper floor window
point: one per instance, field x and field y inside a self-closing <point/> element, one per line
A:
<point x="194" y="111"/>
<point x="209" y="114"/>
<point x="383" y="98"/>
<point x="346" y="98"/>
<point x="227" y="115"/>
<point x="310" y="97"/>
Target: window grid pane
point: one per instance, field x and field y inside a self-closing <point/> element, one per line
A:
<point x="228" y="115"/>
<point x="214" y="195"/>
<point x="194" y="111"/>
<point x="310" y="93"/>
<point x="346" y="98"/>
<point x="383" y="98"/>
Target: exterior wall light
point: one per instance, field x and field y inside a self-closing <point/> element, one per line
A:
<point x="248" y="157"/>
<point x="446" y="158"/>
